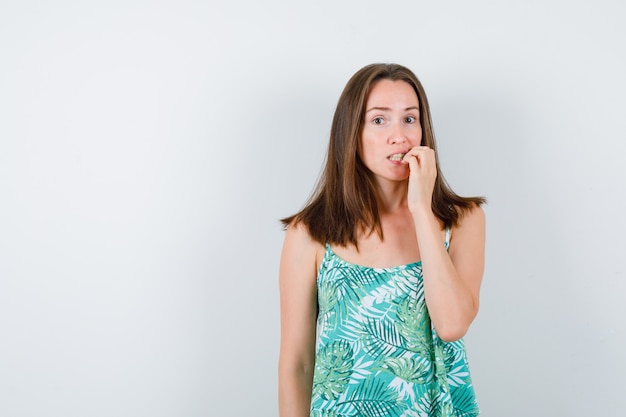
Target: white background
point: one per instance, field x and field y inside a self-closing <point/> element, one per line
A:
<point x="148" y="149"/>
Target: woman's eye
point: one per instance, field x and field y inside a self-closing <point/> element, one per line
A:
<point x="410" y="119"/>
<point x="378" y="120"/>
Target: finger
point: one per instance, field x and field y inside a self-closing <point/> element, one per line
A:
<point x="414" y="156"/>
<point x="419" y="150"/>
<point x="411" y="154"/>
<point x="422" y="153"/>
<point x="413" y="163"/>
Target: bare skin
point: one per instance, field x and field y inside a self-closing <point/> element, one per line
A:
<point x="405" y="174"/>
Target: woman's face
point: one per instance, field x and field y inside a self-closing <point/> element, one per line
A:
<point x="390" y="128"/>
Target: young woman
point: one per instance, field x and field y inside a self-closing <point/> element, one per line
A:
<point x="380" y="273"/>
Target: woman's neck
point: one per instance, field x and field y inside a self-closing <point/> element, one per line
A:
<point x="392" y="196"/>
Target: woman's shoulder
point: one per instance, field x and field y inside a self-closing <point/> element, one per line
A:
<point x="300" y="246"/>
<point x="470" y="217"/>
<point x="470" y="227"/>
<point x="473" y="213"/>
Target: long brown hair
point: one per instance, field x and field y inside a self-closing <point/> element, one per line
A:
<point x="345" y="198"/>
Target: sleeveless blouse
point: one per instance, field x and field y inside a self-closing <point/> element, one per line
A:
<point x="377" y="353"/>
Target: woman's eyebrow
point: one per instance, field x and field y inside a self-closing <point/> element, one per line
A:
<point x="388" y="109"/>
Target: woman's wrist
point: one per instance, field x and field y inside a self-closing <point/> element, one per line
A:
<point x="422" y="213"/>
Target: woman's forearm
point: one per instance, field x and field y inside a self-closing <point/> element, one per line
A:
<point x="450" y="298"/>
<point x="294" y="392"/>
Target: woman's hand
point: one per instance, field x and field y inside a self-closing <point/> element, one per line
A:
<point x="422" y="176"/>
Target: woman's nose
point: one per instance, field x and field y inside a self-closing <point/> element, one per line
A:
<point x="396" y="135"/>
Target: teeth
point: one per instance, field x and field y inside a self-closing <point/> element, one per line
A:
<point x="397" y="157"/>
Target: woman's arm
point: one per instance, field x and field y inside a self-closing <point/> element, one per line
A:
<point x="451" y="279"/>
<point x="298" y="315"/>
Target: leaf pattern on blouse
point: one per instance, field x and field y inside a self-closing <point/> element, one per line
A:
<point x="377" y="353"/>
